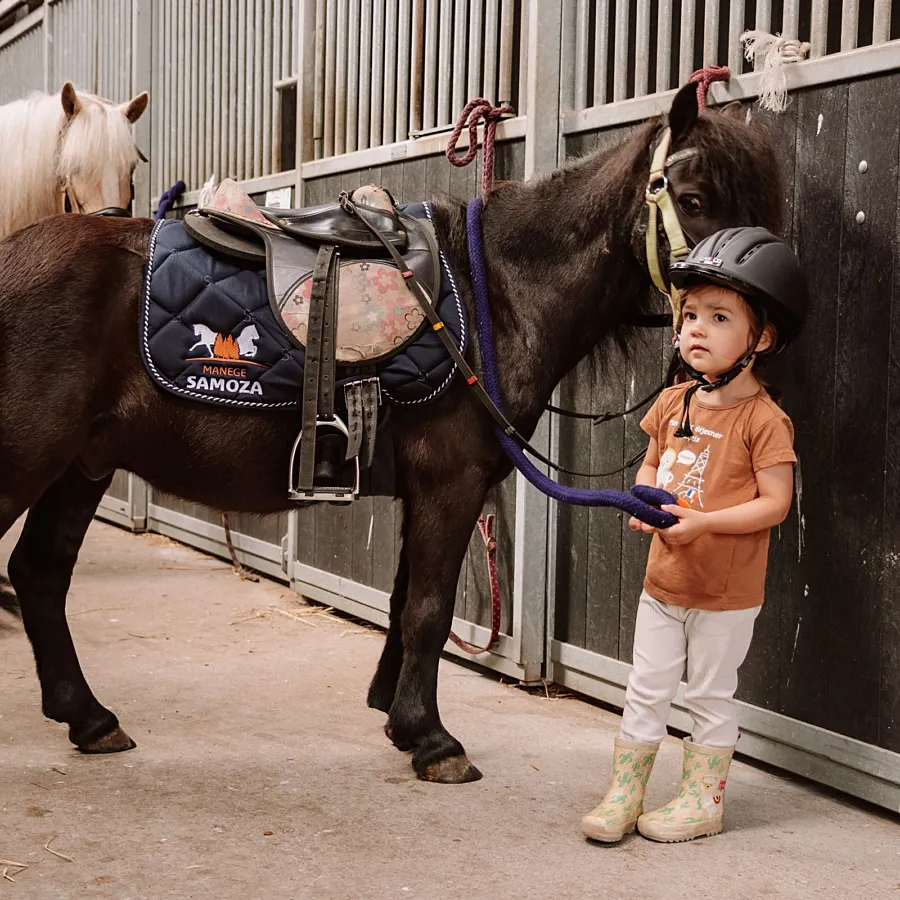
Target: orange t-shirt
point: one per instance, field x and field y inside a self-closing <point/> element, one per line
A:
<point x="714" y="469"/>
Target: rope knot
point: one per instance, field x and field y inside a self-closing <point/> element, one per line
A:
<point x="705" y="78"/>
<point x="770" y="53"/>
<point x="474" y="112"/>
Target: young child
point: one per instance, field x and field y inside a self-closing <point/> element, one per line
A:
<point x="725" y="449"/>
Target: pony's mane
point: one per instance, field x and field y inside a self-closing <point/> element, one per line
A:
<point x="38" y="150"/>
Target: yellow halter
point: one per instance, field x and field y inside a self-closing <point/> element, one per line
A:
<point x="658" y="198"/>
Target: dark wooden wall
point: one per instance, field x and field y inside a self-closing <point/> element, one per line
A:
<point x="827" y="643"/>
<point x="362" y="542"/>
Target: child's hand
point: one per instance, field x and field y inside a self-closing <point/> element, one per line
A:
<point x="636" y="524"/>
<point x="690" y="525"/>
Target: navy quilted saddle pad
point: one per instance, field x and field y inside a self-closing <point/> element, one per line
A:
<point x="208" y="333"/>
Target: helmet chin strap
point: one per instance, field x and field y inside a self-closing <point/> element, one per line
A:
<point x="702" y="383"/>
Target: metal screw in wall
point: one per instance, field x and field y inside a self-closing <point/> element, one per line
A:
<point x="863" y="167"/>
<point x="860" y="217"/>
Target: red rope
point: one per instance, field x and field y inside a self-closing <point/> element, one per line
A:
<point x="476" y="110"/>
<point x="486" y="527"/>
<point x="705" y="78"/>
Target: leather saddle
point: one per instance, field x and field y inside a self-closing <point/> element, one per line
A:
<point x="337" y="283"/>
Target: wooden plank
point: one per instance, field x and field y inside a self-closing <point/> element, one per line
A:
<point x="857" y="483"/>
<point x="643" y="373"/>
<point x="800" y="564"/>
<point x="889" y="693"/>
<point x="604" y="539"/>
<point x="760" y="677"/>
<point x="572" y="548"/>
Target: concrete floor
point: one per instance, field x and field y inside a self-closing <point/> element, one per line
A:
<point x="260" y="773"/>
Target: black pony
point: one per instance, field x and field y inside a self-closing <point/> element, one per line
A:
<point x="566" y="268"/>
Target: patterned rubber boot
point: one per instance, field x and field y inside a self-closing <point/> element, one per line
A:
<point x="699" y="806"/>
<point x="619" y="810"/>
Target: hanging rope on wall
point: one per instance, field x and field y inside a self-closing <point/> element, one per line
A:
<point x="474" y="111"/>
<point x="769" y="54"/>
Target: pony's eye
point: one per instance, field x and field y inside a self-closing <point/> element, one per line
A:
<point x="691" y="204"/>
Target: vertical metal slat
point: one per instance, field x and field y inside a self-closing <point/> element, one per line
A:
<point x="404" y="38"/>
<point x="365" y="76"/>
<point x="881" y="21"/>
<point x="735" y="29"/>
<point x="353" y="36"/>
<point x="267" y="36"/>
<point x="375" y="121"/>
<point x="790" y="20"/>
<point x="601" y="52"/>
<point x="319" y="94"/>
<point x="711" y="33"/>
<point x="819" y="29"/>
<point x="507" y="26"/>
<point x="445" y="62"/>
<point x="582" y="37"/>
<point x="417" y="80"/>
<point x="686" y="44"/>
<point x="389" y="49"/>
<point x="491" y="27"/>
<point x="476" y="48"/>
<point x="620" y="71"/>
<point x="664" y="37"/>
<point x="340" y="90"/>
<point x="642" y="49"/>
<point x="458" y="100"/>
<point x="849" y="24"/>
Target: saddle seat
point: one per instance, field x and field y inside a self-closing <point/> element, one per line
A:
<point x="340" y="296"/>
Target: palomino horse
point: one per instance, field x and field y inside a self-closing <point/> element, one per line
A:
<point x="66" y="152"/>
<point x="566" y="269"/>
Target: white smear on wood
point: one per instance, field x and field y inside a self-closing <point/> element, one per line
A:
<point x="796" y="636"/>
<point x="801" y="519"/>
<point x="805" y="590"/>
<point x="819" y="125"/>
<point x="749" y="115"/>
<point x="371" y="526"/>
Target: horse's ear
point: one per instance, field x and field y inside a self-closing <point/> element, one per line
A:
<point x="71" y="103"/>
<point x="733" y="109"/>
<point x="134" y="108"/>
<point x="683" y="113"/>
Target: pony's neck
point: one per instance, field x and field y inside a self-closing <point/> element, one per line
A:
<point x="562" y="269"/>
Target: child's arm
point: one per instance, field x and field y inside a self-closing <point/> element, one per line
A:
<point x="646" y="474"/>
<point x="775" y="485"/>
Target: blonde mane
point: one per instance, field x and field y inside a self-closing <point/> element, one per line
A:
<point x="40" y="148"/>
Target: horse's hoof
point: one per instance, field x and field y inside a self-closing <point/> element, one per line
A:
<point x="398" y="740"/>
<point x="452" y="770"/>
<point x="114" y="742"/>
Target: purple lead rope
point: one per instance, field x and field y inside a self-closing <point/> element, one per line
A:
<point x="631" y="503"/>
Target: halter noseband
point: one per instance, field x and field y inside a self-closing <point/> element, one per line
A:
<point x="69" y="203"/>
<point x="657" y="198"/>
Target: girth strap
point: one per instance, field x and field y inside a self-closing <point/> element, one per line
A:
<point x="363" y="399"/>
<point x="318" y="378"/>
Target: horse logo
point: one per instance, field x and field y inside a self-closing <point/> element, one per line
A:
<point x="224" y="347"/>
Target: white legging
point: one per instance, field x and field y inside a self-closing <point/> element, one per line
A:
<point x="714" y="644"/>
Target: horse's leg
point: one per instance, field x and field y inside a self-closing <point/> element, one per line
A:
<point x="384" y="684"/>
<point x="40" y="569"/>
<point x="438" y="525"/>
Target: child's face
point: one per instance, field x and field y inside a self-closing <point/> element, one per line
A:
<point x="718" y="328"/>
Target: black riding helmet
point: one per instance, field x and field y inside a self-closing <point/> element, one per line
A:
<point x="765" y="272"/>
<point x="758" y="265"/>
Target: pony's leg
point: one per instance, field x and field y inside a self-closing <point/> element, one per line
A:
<point x="384" y="684"/>
<point x="40" y="569"/>
<point x="438" y="525"/>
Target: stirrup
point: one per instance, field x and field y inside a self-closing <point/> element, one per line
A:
<point x="330" y="493"/>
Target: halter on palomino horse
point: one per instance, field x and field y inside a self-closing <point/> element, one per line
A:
<point x="566" y="269"/>
<point x="66" y="152"/>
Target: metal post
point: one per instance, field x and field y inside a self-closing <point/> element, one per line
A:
<point x="849" y="25"/>
<point x="533" y="523"/>
<point x="582" y="40"/>
<point x="881" y="23"/>
<point x="601" y="51"/>
<point x="620" y="67"/>
<point x="642" y="49"/>
<point x="686" y="50"/>
<point x="819" y="30"/>
<point x="735" y="28"/>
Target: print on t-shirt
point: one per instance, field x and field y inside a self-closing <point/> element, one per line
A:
<point x="681" y="472"/>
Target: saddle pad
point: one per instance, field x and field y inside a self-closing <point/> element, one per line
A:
<point x="208" y="333"/>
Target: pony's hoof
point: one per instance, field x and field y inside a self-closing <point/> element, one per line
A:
<point x="114" y="742"/>
<point x="452" y="770"/>
<point x="397" y="739"/>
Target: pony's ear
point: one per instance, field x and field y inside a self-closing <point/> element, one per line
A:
<point x="134" y="108"/>
<point x="733" y="109"/>
<point x="71" y="104"/>
<point x="683" y="113"/>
